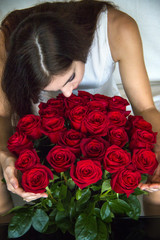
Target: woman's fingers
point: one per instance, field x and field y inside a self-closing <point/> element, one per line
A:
<point x="9" y="170"/>
<point x="150" y="187"/>
<point x="32" y="198"/>
<point x="28" y="196"/>
<point x="10" y="175"/>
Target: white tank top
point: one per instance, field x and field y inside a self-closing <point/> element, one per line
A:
<point x="100" y="65"/>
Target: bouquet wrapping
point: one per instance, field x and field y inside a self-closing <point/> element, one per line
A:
<point x="89" y="154"/>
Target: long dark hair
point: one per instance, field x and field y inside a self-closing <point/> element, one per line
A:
<point x="43" y="41"/>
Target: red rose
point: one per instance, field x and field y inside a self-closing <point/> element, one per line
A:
<point x="101" y="98"/>
<point x="76" y="116"/>
<point x="85" y="173"/>
<point x="129" y="124"/>
<point x="95" y="123"/>
<point x="137" y="122"/>
<point x="71" y="139"/>
<point x="73" y="101"/>
<point x="142" y="139"/>
<point x="18" y="142"/>
<point x="36" y="179"/>
<point x="53" y="107"/>
<point x="132" y="118"/>
<point x="116" y="119"/>
<point x="143" y="125"/>
<point x="30" y="125"/>
<point x="26" y="160"/>
<point x="60" y="158"/>
<point x="85" y="95"/>
<point x="118" y="103"/>
<point x="116" y="159"/>
<point x="118" y="136"/>
<point x="97" y="105"/>
<point x="94" y="148"/>
<point x="60" y="96"/>
<point x="145" y="161"/>
<point x="52" y="127"/>
<point x="125" y="181"/>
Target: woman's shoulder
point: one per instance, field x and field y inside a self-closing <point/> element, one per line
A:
<point x="122" y="31"/>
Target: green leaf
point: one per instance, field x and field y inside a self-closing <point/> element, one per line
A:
<point x="40" y="220"/>
<point x="85" y="196"/>
<point x="70" y="184"/>
<point x="106" y="186"/>
<point x="84" y="201"/>
<point x="62" y="221"/>
<point x="53" y="213"/>
<point x="102" y="231"/>
<point x="144" y="178"/>
<point x="20" y="224"/>
<point x="86" y="227"/>
<point x="97" y="212"/>
<point x="135" y="206"/>
<point x="16" y="209"/>
<point x="78" y="194"/>
<point x="56" y="193"/>
<point x="106" y="174"/>
<point x="63" y="192"/>
<point x="119" y="206"/>
<point x="138" y="191"/>
<point x="105" y="211"/>
<point x="54" y="185"/>
<point x="60" y="206"/>
<point x="108" y="195"/>
<point x="72" y="208"/>
<point x="109" y="218"/>
<point x="56" y="177"/>
<point x="95" y="187"/>
<point x="49" y="203"/>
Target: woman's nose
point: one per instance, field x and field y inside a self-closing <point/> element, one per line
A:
<point x="67" y="92"/>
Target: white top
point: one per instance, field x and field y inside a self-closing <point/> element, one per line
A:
<point x="99" y="66"/>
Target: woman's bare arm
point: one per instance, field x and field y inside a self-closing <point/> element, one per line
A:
<point x="126" y="47"/>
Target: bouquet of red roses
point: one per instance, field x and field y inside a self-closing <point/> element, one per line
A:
<point x="89" y="155"/>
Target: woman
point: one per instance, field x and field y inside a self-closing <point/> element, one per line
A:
<point x="60" y="46"/>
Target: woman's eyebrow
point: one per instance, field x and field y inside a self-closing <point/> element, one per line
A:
<point x="70" y="79"/>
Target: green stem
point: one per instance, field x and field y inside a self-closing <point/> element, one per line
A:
<point x="50" y="194"/>
<point x="105" y="194"/>
<point x="64" y="176"/>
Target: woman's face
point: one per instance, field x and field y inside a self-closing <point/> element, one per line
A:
<point x="67" y="81"/>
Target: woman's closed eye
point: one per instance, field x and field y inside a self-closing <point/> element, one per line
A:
<point x="70" y="79"/>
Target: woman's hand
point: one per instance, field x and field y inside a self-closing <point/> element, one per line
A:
<point x="153" y="182"/>
<point x="11" y="177"/>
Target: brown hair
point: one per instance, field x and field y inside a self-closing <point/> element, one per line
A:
<point x="43" y="41"/>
